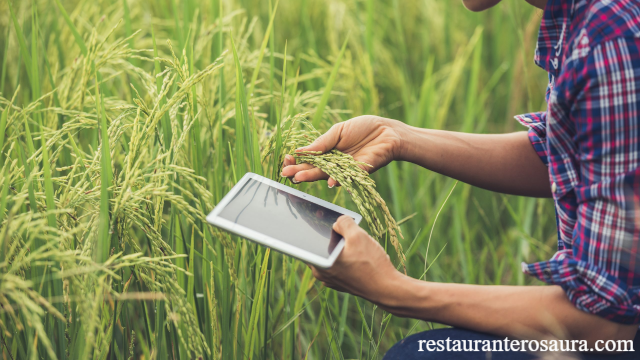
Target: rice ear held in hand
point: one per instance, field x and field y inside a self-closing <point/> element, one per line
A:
<point x="343" y="168"/>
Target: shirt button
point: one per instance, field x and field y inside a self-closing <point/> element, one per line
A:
<point x="554" y="187"/>
<point x="547" y="273"/>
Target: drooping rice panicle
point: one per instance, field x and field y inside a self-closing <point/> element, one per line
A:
<point x="343" y="168"/>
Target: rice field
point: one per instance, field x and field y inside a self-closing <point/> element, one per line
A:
<point x="124" y="122"/>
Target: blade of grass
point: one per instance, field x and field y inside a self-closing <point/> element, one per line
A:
<point x="21" y="41"/>
<point x="426" y="92"/>
<point x="276" y="159"/>
<point x="104" y="234"/>
<point x="257" y="164"/>
<point x="456" y="72"/>
<point x="294" y="90"/>
<point x="317" y="117"/>
<point x="3" y="126"/>
<point x="219" y="147"/>
<point x="55" y="328"/>
<point x="263" y="46"/>
<point x="256" y="307"/>
<point x="35" y="88"/>
<point x="3" y="77"/>
<point x="191" y="279"/>
<point x="474" y="77"/>
<point x="242" y="115"/>
<point x="418" y="240"/>
<point x="127" y="22"/>
<point x="272" y="67"/>
<point x="166" y="124"/>
<point x="74" y="30"/>
<point x="3" y="201"/>
<point x="235" y="177"/>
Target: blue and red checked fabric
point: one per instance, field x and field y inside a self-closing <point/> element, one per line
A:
<point x="589" y="138"/>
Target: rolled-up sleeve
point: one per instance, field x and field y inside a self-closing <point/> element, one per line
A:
<point x="594" y="116"/>
<point x="537" y="124"/>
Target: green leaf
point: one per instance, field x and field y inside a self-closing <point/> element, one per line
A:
<point x="3" y="128"/>
<point x="166" y="122"/>
<point x="21" y="41"/>
<point x="3" y="77"/>
<point x="74" y="30"/>
<point x="235" y="177"/>
<point x="317" y="118"/>
<point x="104" y="236"/>
<point x="263" y="46"/>
<point x="3" y="198"/>
<point x="219" y="141"/>
<point x="276" y="155"/>
<point x="6" y="179"/>
<point x="35" y="88"/>
<point x="191" y="279"/>
<point x="127" y="21"/>
<point x="292" y="96"/>
<point x="256" y="306"/>
<point x="242" y="114"/>
<point x="27" y="176"/>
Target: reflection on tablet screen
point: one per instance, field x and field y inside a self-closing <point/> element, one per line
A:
<point x="283" y="216"/>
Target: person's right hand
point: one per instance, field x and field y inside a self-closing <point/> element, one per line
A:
<point x="370" y="139"/>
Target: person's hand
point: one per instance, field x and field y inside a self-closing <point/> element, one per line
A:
<point x="371" y="139"/>
<point x="363" y="268"/>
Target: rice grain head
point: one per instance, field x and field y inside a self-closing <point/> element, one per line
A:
<point x="351" y="174"/>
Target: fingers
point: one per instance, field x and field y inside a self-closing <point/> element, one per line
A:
<point x="346" y="226"/>
<point x="306" y="172"/>
<point x="320" y="276"/>
<point x="325" y="142"/>
<point x="314" y="271"/>
<point x="289" y="160"/>
<point x="313" y="174"/>
<point x="303" y="172"/>
<point x="317" y="273"/>
<point x="292" y="170"/>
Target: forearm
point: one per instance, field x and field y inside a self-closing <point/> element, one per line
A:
<point x="505" y="163"/>
<point x="516" y="311"/>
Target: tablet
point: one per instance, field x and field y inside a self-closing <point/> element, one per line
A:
<point x="282" y="218"/>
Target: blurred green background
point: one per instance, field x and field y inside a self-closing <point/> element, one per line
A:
<point x="429" y="63"/>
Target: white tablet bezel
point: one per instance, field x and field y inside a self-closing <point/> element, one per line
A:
<point x="273" y="243"/>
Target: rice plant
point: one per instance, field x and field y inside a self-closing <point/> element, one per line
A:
<point x="124" y="122"/>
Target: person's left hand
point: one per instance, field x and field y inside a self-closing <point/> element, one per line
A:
<point x="363" y="268"/>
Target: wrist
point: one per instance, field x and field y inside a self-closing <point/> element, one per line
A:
<point x="402" y="295"/>
<point x="402" y="131"/>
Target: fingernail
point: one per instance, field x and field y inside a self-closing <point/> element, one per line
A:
<point x="331" y="186"/>
<point x="282" y="175"/>
<point x="293" y="180"/>
<point x="301" y="148"/>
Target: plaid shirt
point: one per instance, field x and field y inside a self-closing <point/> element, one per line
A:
<point x="589" y="138"/>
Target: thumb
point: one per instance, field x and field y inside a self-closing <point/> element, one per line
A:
<point x="346" y="226"/>
<point x="326" y="141"/>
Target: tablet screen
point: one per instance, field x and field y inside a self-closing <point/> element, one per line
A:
<point x="283" y="216"/>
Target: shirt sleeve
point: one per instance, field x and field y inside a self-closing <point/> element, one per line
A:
<point x="594" y="114"/>
<point x="537" y="124"/>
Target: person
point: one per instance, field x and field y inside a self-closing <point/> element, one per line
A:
<point x="584" y="151"/>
